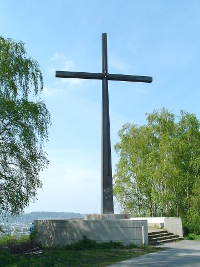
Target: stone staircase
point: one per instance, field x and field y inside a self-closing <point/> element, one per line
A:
<point x="159" y="236"/>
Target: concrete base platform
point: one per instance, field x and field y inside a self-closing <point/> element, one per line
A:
<point x="63" y="232"/>
<point x="107" y="216"/>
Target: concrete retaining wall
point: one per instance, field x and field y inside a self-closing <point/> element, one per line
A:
<point x="171" y="224"/>
<point x="63" y="232"/>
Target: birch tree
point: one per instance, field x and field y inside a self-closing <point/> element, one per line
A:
<point x="24" y="127"/>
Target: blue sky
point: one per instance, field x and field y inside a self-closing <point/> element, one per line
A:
<point x="154" y="38"/>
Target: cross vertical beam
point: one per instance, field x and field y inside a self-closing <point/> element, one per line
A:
<point x="107" y="206"/>
<point x="106" y="166"/>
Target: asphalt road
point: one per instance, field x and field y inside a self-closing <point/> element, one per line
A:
<point x="184" y="253"/>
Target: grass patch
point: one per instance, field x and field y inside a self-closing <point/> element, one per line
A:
<point x="192" y="237"/>
<point x="84" y="253"/>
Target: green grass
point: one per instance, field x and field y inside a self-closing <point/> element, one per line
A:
<point x="83" y="253"/>
<point x="193" y="237"/>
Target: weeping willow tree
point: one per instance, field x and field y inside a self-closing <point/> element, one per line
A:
<point x="23" y="127"/>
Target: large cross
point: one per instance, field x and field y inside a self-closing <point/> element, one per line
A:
<point x="107" y="206"/>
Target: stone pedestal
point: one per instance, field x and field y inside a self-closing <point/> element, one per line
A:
<point x="101" y="228"/>
<point x="107" y="216"/>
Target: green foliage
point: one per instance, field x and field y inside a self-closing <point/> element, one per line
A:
<point x="62" y="257"/>
<point x="18" y="73"/>
<point x="13" y="239"/>
<point x="192" y="221"/>
<point x="86" y="243"/>
<point x="23" y="128"/>
<point x="159" y="166"/>
<point x="192" y="236"/>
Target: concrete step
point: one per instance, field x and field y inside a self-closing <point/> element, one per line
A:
<point x="163" y="237"/>
<point x="160" y="236"/>
<point x="158" y="242"/>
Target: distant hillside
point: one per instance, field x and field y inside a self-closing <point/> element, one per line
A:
<point x="20" y="225"/>
<point x="51" y="215"/>
<point x="30" y="217"/>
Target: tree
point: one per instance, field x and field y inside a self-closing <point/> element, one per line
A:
<point x="192" y="220"/>
<point x="23" y="128"/>
<point x="159" y="165"/>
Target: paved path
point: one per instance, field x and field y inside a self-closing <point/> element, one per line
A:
<point x="184" y="253"/>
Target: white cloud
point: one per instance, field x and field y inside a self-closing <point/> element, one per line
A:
<point x="63" y="151"/>
<point x="71" y="81"/>
<point x="48" y="92"/>
<point x="68" y="65"/>
<point x="64" y="65"/>
<point x="52" y="70"/>
<point x="117" y="64"/>
<point x="57" y="56"/>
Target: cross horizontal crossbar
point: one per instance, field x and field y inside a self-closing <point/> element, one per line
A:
<point x="100" y="76"/>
